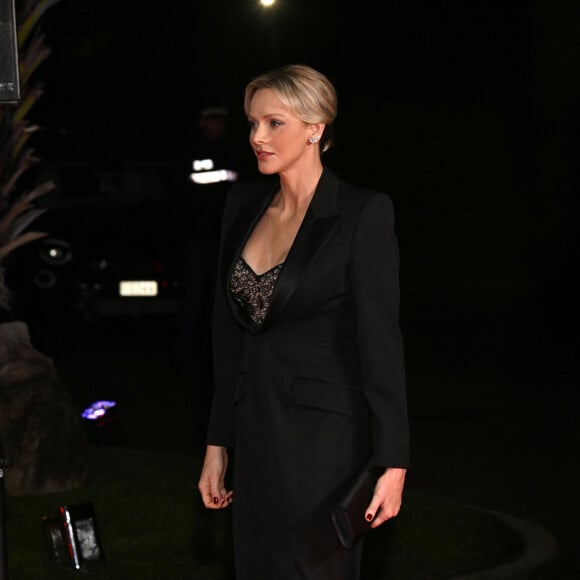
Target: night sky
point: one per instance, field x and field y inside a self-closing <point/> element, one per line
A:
<point x="139" y="70"/>
<point x="464" y="112"/>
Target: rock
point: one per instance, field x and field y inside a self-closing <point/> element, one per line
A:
<point x="44" y="443"/>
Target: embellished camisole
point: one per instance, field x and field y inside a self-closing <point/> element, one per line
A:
<point x="253" y="292"/>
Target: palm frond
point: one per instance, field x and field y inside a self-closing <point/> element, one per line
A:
<point x="33" y="57"/>
<point x="9" y="217"/>
<point x="13" y="145"/>
<point x="27" y="102"/>
<point x="29" y="24"/>
<point x="24" y="163"/>
<point x="25" y="238"/>
<point x="25" y="132"/>
<point x="24" y="220"/>
<point x="39" y="191"/>
<point x="17" y="208"/>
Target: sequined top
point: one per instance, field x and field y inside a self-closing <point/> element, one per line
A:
<point x="252" y="291"/>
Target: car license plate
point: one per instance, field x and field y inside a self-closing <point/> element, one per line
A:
<point x="136" y="288"/>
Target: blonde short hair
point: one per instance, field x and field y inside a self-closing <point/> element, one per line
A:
<point x="304" y="91"/>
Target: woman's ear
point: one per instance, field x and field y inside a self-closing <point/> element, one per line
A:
<point x="316" y="130"/>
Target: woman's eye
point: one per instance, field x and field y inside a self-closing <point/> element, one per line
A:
<point x="275" y="123"/>
<point x="252" y="124"/>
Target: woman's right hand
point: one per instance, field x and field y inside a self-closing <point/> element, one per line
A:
<point x="211" y="482"/>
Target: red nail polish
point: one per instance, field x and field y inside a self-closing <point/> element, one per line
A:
<point x="369" y="517"/>
<point x="215" y="500"/>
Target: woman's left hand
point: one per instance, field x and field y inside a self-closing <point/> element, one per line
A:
<point x="388" y="496"/>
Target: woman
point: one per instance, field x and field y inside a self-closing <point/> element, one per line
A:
<point x="308" y="354"/>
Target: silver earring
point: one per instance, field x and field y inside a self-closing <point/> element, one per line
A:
<point x="314" y="139"/>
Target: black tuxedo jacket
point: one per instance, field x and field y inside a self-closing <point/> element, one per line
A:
<point x="331" y="340"/>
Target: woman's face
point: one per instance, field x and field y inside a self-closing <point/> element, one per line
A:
<point x="279" y="138"/>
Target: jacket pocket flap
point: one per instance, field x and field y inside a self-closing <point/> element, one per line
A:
<point x="329" y="397"/>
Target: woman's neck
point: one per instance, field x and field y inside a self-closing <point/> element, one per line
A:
<point x="297" y="188"/>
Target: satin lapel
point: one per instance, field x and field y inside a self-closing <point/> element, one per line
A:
<point x="246" y="218"/>
<point x="319" y="222"/>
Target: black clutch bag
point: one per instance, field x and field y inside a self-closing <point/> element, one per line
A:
<point x="348" y="513"/>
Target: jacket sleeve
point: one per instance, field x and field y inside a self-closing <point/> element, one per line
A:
<point x="227" y="346"/>
<point x="375" y="284"/>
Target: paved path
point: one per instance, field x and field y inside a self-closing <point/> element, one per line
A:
<point x="541" y="549"/>
<point x="502" y="447"/>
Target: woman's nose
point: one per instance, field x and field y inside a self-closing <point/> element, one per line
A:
<point x="257" y="135"/>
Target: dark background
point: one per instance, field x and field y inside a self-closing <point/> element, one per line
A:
<point x="466" y="113"/>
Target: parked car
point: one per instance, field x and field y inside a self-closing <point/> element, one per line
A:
<point x="113" y="248"/>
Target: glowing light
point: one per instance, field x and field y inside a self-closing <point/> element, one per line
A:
<point x="218" y="176"/>
<point x="97" y="410"/>
<point x="138" y="288"/>
<point x="267" y="3"/>
<point x="203" y="164"/>
<point x="54" y="251"/>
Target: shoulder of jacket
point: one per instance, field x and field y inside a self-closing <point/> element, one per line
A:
<point x="356" y="197"/>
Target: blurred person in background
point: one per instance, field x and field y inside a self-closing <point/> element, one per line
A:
<point x="212" y="164"/>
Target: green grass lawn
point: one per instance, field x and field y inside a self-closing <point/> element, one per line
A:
<point x="152" y="525"/>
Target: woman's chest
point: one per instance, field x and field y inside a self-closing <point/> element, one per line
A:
<point x="270" y="241"/>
